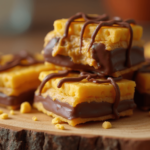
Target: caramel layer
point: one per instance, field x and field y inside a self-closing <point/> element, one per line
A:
<point x="82" y="110"/>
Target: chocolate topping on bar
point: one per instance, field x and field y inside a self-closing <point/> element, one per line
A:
<point x="111" y="61"/>
<point x="101" y="20"/>
<point x="106" y="60"/>
<point x="17" y="61"/>
<point x="86" y="18"/>
<point x="91" y="78"/>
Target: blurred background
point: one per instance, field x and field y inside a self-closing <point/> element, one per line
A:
<point x="24" y="23"/>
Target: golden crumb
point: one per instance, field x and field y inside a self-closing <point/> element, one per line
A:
<point x="25" y="107"/>
<point x="59" y="126"/>
<point x="4" y="116"/>
<point x="56" y="120"/>
<point x="12" y="112"/>
<point x="34" y="118"/>
<point x="1" y="111"/>
<point x="106" y="125"/>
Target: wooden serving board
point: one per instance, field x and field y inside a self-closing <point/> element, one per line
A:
<point x="20" y="132"/>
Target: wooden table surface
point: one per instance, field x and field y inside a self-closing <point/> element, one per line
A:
<point x="30" y="41"/>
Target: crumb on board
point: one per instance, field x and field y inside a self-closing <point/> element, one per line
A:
<point x="4" y="116"/>
<point x="25" y="107"/>
<point x="12" y="112"/>
<point x="106" y="125"/>
<point x="56" y="120"/>
<point x="1" y="111"/>
<point x="34" y="118"/>
<point x="59" y="126"/>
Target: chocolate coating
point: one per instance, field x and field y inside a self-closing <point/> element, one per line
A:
<point x="91" y="78"/>
<point x="17" y="100"/>
<point x="101" y="21"/>
<point x="82" y="110"/>
<point x="108" y="61"/>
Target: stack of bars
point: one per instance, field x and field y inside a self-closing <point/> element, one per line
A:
<point x="90" y="58"/>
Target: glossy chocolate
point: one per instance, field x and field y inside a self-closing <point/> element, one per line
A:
<point x="101" y="21"/>
<point x="17" y="61"/>
<point x="82" y="110"/>
<point x="108" y="61"/>
<point x="91" y="78"/>
<point x="16" y="100"/>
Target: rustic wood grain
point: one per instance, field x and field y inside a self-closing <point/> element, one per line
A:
<point x="20" y="132"/>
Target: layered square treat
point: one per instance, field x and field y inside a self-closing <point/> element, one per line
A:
<point x="19" y="78"/>
<point x="78" y="97"/>
<point x="142" y="92"/>
<point x="109" y="47"/>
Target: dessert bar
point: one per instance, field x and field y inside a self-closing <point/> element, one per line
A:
<point x="79" y="97"/>
<point x="19" y="78"/>
<point x="109" y="47"/>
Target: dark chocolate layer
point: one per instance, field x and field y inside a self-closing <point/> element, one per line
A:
<point x="16" y="100"/>
<point x="91" y="78"/>
<point x="142" y="99"/>
<point x="108" y="61"/>
<point x="82" y="110"/>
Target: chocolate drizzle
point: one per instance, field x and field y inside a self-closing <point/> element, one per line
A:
<point x="17" y="61"/>
<point x="106" y="62"/>
<point x="86" y="18"/>
<point x="101" y="21"/>
<point x="53" y="75"/>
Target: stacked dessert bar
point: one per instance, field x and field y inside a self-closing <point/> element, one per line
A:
<point x="90" y="54"/>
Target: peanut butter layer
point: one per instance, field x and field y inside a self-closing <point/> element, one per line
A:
<point x="77" y="92"/>
<point x="71" y="47"/>
<point x="108" y="63"/>
<point x="96" y="44"/>
<point x="23" y="88"/>
<point x="20" y="78"/>
<point x="79" y="120"/>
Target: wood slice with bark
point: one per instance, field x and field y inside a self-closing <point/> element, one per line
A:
<point x="20" y="132"/>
